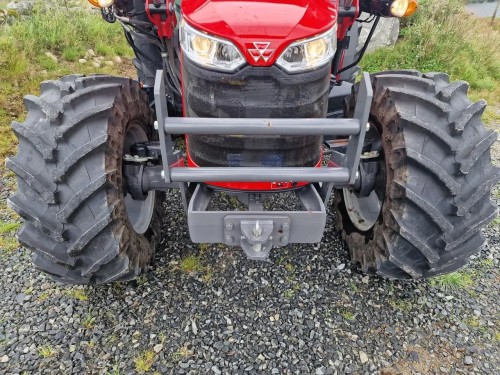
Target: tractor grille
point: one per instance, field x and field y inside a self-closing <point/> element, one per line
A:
<point x="254" y="92"/>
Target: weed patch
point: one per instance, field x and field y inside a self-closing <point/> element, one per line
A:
<point x="144" y="362"/>
<point x="182" y="353"/>
<point x="78" y="294"/>
<point x="88" y="321"/>
<point x="47" y="351"/>
<point x="6" y="228"/>
<point x="191" y="263"/>
<point x="453" y="281"/>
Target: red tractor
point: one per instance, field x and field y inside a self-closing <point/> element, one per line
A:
<point x="264" y="93"/>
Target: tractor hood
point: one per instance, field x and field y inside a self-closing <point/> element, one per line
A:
<point x="245" y="22"/>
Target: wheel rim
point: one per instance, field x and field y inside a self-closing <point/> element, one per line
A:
<point x="365" y="211"/>
<point x="139" y="212"/>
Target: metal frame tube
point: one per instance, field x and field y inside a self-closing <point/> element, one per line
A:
<point x="256" y="126"/>
<point x="354" y="128"/>
<point x="249" y="174"/>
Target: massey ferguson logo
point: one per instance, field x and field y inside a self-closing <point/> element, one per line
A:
<point x="261" y="51"/>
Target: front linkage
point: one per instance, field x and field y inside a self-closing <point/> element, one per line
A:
<point x="257" y="231"/>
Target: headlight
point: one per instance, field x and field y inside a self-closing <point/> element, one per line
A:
<point x="208" y="50"/>
<point x="310" y="53"/>
<point x="101" y="3"/>
<point x="403" y="8"/>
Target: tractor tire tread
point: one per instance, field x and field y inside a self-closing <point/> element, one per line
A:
<point x="70" y="198"/>
<point x="430" y="224"/>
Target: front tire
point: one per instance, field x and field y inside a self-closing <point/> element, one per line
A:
<point x="70" y="192"/>
<point x="438" y="178"/>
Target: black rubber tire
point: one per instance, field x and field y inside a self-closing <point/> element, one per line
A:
<point x="69" y="174"/>
<point x="438" y="178"/>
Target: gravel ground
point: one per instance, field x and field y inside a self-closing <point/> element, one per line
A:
<point x="307" y="311"/>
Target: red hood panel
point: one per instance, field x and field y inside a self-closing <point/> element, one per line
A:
<point x="277" y="22"/>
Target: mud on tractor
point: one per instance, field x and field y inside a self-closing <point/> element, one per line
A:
<point x="263" y="95"/>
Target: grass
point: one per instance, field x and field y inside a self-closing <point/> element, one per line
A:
<point x="88" y="321"/>
<point x="8" y="228"/>
<point x="43" y="296"/>
<point x="8" y="242"/>
<point x="289" y="267"/>
<point x="208" y="275"/>
<point x="204" y="247"/>
<point x="3" y="3"/>
<point x="453" y="281"/>
<point x="347" y="315"/>
<point x="473" y="322"/>
<point x="24" y="64"/>
<point x="78" y="294"/>
<point x="191" y="263"/>
<point x="289" y="293"/>
<point x="443" y="37"/>
<point x="144" y="362"/>
<point x="402" y="305"/>
<point x="182" y="353"/>
<point x="47" y="351"/>
<point x="495" y="223"/>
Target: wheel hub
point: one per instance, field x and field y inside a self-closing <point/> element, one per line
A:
<point x="139" y="212"/>
<point x="364" y="201"/>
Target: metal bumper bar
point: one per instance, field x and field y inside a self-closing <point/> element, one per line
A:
<point x="335" y="175"/>
<point x="345" y="174"/>
<point x="258" y="126"/>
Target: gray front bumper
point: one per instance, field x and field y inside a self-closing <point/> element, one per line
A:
<point x="256" y="230"/>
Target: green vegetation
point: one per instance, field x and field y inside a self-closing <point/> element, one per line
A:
<point x="88" y="321"/>
<point x="144" y="361"/>
<point x="47" y="351"/>
<point x="78" y="294"/>
<point x="289" y="267"/>
<point x="191" y="263"/>
<point x="8" y="242"/>
<point x="25" y="62"/>
<point x="289" y="293"/>
<point x="182" y="353"/>
<point x="453" y="281"/>
<point x="495" y="223"/>
<point x="6" y="228"/>
<point x="443" y="37"/>
<point x="347" y="315"/>
<point x="43" y="296"/>
<point x="473" y="322"/>
<point x="402" y="305"/>
<point x="3" y="3"/>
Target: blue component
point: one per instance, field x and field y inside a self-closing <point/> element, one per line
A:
<point x="234" y="160"/>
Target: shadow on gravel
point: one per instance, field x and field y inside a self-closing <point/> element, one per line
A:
<point x="206" y="309"/>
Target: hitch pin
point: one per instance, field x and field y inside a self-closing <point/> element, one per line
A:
<point x="257" y="231"/>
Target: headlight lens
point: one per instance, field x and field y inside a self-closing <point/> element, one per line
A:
<point x="208" y="50"/>
<point x="101" y="3"/>
<point x="310" y="53"/>
<point x="403" y="8"/>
